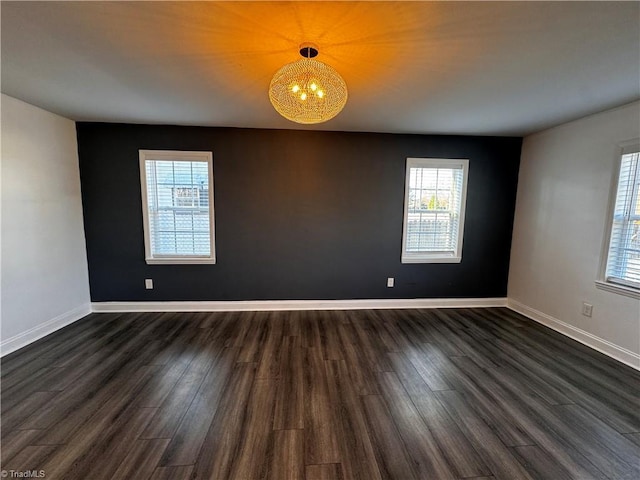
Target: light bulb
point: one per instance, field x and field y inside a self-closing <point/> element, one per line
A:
<point x="303" y="96"/>
<point x="313" y="87"/>
<point x="320" y="94"/>
<point x="295" y="89"/>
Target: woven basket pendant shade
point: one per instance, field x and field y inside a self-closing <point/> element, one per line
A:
<point x="308" y="91"/>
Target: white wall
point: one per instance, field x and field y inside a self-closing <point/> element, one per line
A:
<point x="561" y="211"/>
<point x="44" y="266"/>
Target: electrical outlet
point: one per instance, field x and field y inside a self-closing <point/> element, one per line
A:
<point x="390" y="282"/>
<point x="587" y="309"/>
<point x="148" y="283"/>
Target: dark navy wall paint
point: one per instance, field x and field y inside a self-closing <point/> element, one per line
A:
<point x="298" y="214"/>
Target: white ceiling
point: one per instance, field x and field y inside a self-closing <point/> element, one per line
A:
<point x="487" y="68"/>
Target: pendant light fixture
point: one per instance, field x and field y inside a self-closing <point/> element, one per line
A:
<point x="308" y="91"/>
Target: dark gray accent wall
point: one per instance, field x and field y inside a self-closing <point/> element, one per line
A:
<point x="298" y="215"/>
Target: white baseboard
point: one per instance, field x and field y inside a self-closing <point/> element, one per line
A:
<point x="600" y="344"/>
<point x="274" y="305"/>
<point x="604" y="346"/>
<point x="29" y="336"/>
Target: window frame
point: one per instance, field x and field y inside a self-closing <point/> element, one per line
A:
<point x="435" y="257"/>
<point x="603" y="282"/>
<point x="180" y="156"/>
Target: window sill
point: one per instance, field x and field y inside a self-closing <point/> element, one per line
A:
<point x="180" y="261"/>
<point x="427" y="259"/>
<point x="619" y="289"/>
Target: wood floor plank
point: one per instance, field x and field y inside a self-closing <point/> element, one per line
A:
<point x="501" y="461"/>
<point x="427" y="369"/>
<point x="539" y="464"/>
<point x="175" y="406"/>
<point x="84" y="442"/>
<point x="175" y="363"/>
<point x="369" y="343"/>
<point x="391" y="320"/>
<point x="377" y="320"/>
<point x="326" y="471"/>
<point x="182" y="472"/>
<point x="421" y="448"/>
<point x="466" y="342"/>
<point x="34" y="369"/>
<point x="271" y="347"/>
<point x="362" y="373"/>
<point x="310" y="329"/>
<point x="633" y="437"/>
<point x="605" y="447"/>
<point x="329" y="337"/>
<point x="289" y="408"/>
<point x="254" y="339"/>
<point x="483" y="400"/>
<point x="293" y="324"/>
<point x="31" y="406"/>
<point x="94" y="458"/>
<point x="214" y="319"/>
<point x="356" y="451"/>
<point x="462" y="456"/>
<point x="253" y="460"/>
<point x="530" y="373"/>
<point x="30" y="458"/>
<point x="113" y="369"/>
<point x="17" y="387"/>
<point x="412" y="381"/>
<point x="595" y="366"/>
<point x="390" y="451"/>
<point x="15" y="441"/>
<point x="480" y="393"/>
<point x="288" y="456"/>
<point x="222" y="444"/>
<point x="569" y="375"/>
<point x="321" y="429"/>
<point x="57" y="343"/>
<point x="543" y="425"/>
<point x="142" y="460"/>
<point x="436" y="332"/>
<point x="103" y="337"/>
<point x="187" y="440"/>
<point x="106" y="404"/>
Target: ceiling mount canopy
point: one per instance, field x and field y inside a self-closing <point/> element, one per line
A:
<point x="307" y="90"/>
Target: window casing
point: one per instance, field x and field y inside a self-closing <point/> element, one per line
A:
<point x="434" y="208"/>
<point x="621" y="268"/>
<point x="177" y="206"/>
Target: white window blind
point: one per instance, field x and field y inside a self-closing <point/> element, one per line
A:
<point x="177" y="197"/>
<point x="623" y="260"/>
<point x="435" y="198"/>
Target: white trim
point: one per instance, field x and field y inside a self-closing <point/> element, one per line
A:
<point x="275" y="305"/>
<point x="604" y="346"/>
<point x="29" y="336"/>
<point x="180" y="261"/>
<point x="622" y="148"/>
<point x="600" y="344"/>
<point x="411" y="257"/>
<point x="177" y="156"/>
<point x="435" y="257"/>
<point x="620" y="289"/>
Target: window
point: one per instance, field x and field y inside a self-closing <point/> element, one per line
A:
<point x="177" y="206"/>
<point x="623" y="250"/>
<point x="434" y="204"/>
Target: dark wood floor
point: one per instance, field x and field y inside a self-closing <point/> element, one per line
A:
<point x="388" y="394"/>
